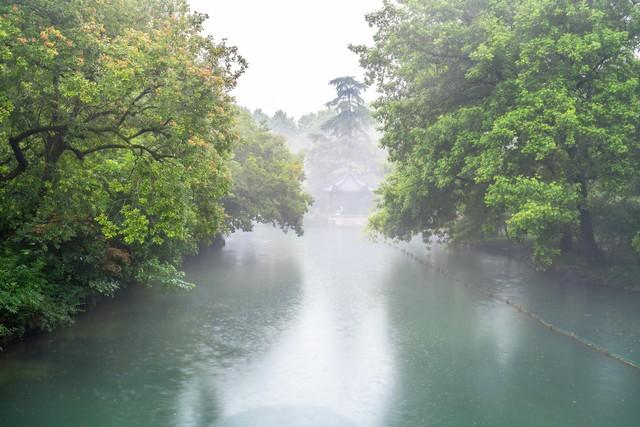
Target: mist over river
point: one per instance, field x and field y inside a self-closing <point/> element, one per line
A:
<point x="332" y="329"/>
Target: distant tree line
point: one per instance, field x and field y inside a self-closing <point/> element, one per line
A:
<point x="335" y="140"/>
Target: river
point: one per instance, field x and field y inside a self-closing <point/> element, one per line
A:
<point x="332" y="329"/>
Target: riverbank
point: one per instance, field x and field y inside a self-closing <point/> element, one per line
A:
<point x="568" y="268"/>
<point x="90" y="302"/>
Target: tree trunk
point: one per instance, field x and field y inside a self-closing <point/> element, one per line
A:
<point x="592" y="250"/>
<point x="566" y="242"/>
<point x="54" y="147"/>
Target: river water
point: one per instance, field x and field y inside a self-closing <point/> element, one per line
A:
<point x="332" y="329"/>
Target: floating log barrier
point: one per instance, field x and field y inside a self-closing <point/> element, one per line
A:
<point x="520" y="308"/>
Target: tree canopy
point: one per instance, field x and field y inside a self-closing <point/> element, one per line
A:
<point x="509" y="115"/>
<point x="267" y="180"/>
<point x="119" y="141"/>
<point x="352" y="116"/>
<point x="82" y="78"/>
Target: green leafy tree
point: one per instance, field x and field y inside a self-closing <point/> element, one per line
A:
<point x="115" y="131"/>
<point x="516" y="115"/>
<point x="76" y="86"/>
<point x="267" y="181"/>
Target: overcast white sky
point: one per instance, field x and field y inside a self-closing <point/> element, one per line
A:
<point x="294" y="47"/>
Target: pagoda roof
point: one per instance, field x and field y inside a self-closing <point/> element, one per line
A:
<point x="349" y="183"/>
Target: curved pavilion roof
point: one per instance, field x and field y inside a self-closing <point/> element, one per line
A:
<point x="349" y="183"/>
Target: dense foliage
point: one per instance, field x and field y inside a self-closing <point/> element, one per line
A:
<point x="118" y="131"/>
<point x="267" y="180"/>
<point x="511" y="117"/>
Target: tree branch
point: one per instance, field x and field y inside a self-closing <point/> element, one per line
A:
<point x="80" y="154"/>
<point x="590" y="74"/>
<point x="15" y="141"/>
<point x="142" y="94"/>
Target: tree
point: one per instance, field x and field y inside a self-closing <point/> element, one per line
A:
<point x="267" y="181"/>
<point x="352" y="116"/>
<point x="260" y="117"/>
<point x="515" y="115"/>
<point x="311" y="123"/>
<point x="115" y="131"/>
<point x="282" y="124"/>
<point x="82" y="78"/>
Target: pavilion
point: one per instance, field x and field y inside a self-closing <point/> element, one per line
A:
<point x="349" y="196"/>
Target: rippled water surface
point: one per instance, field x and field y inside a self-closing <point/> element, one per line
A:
<point x="333" y="330"/>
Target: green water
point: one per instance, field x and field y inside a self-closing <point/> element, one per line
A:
<point x="333" y="330"/>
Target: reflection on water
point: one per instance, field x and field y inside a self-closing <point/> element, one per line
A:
<point x="332" y="330"/>
<point x="335" y="355"/>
